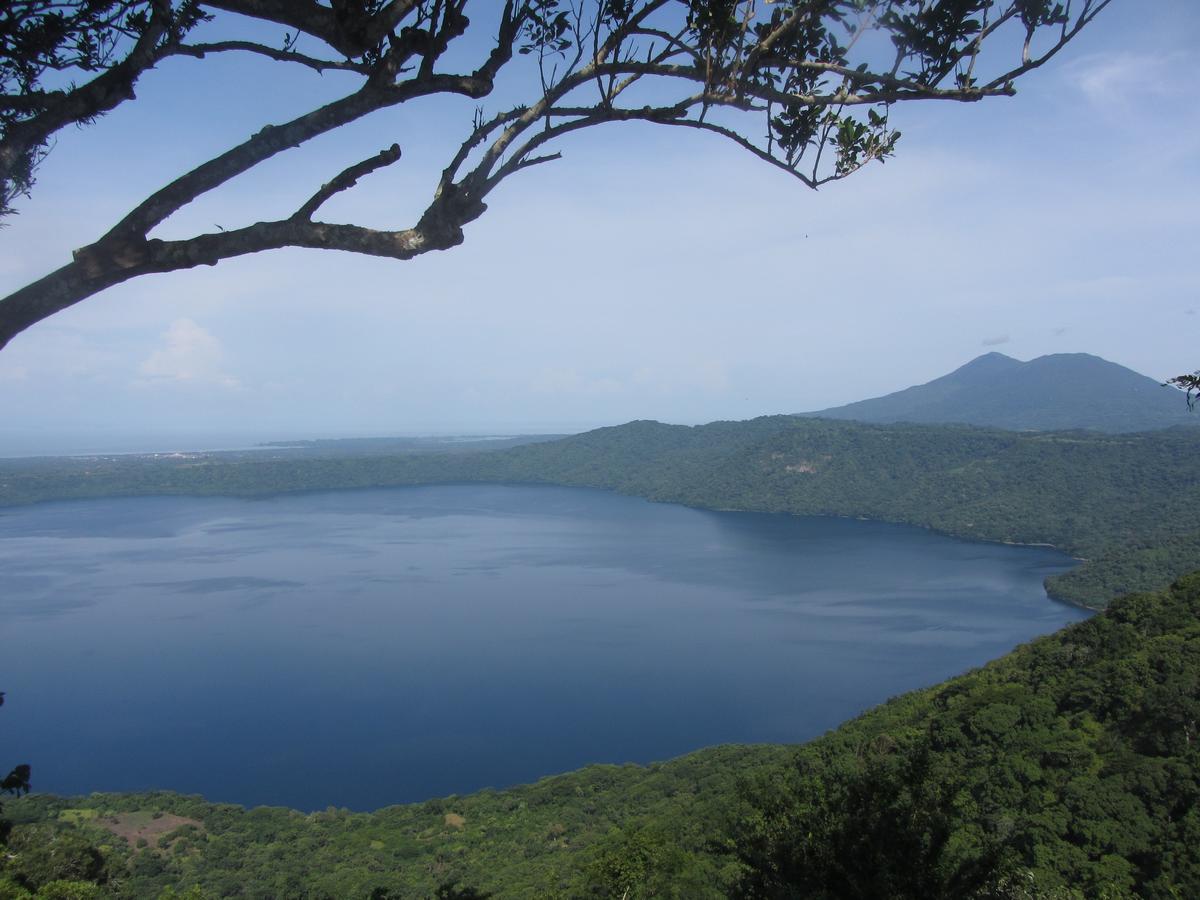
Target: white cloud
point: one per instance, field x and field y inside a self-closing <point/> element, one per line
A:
<point x="1126" y="80"/>
<point x="190" y="354"/>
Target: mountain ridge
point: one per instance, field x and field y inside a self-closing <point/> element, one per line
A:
<point x="1056" y="392"/>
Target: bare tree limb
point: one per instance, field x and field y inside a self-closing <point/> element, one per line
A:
<point x="199" y="51"/>
<point x="307" y="16"/>
<point x="1067" y="35"/>
<point x="273" y="139"/>
<point x="96" y="268"/>
<point x="346" y="179"/>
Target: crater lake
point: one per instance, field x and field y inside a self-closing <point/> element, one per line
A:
<point x="365" y="648"/>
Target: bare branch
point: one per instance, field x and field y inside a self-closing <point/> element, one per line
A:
<point x="745" y="144"/>
<point x="96" y="268"/>
<point x="199" y="51"/>
<point x="1028" y="66"/>
<point x="536" y="161"/>
<point x="275" y="139"/>
<point x="307" y="16"/>
<point x="346" y="179"/>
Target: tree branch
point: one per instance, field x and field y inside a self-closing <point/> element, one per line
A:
<point x="302" y="15"/>
<point x="98" y="267"/>
<point x="788" y="65"/>
<point x="1067" y="35"/>
<point x="22" y="139"/>
<point x="273" y="139"/>
<point x="346" y="179"/>
<point x="199" y="51"/>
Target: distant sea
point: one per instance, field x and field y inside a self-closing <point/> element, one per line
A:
<point x="23" y="444"/>
<point x="101" y="444"/>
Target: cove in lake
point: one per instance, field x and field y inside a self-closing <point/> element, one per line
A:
<point x="373" y="647"/>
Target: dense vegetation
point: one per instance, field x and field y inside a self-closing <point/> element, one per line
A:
<point x="563" y="836"/>
<point x="1123" y="502"/>
<point x="1051" y="393"/>
<point x="1070" y="768"/>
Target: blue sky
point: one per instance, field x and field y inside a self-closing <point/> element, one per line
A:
<point x="651" y="273"/>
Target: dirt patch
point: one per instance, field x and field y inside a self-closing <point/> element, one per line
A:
<point x="138" y="826"/>
<point x="454" y="820"/>
<point x="804" y="467"/>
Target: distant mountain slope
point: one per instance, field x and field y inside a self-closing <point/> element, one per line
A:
<point x="1051" y="393"/>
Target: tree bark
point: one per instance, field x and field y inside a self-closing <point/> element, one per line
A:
<point x="107" y="263"/>
<point x="46" y="296"/>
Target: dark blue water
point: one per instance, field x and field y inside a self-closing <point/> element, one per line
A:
<point x="373" y="647"/>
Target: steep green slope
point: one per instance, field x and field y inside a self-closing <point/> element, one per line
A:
<point x="1051" y="393"/>
<point x="1069" y="768"/>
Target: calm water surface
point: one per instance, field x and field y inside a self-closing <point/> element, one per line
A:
<point x="374" y="647"/>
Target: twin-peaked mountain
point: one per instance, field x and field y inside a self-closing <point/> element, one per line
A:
<point x="1051" y="393"/>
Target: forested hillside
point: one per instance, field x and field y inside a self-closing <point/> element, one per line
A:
<point x="1129" y="504"/>
<point x="1069" y="769"/>
<point x="1117" y="501"/>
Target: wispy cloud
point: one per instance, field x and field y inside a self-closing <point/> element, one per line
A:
<point x="189" y="354"/>
<point x="1126" y="80"/>
<point x="996" y="341"/>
